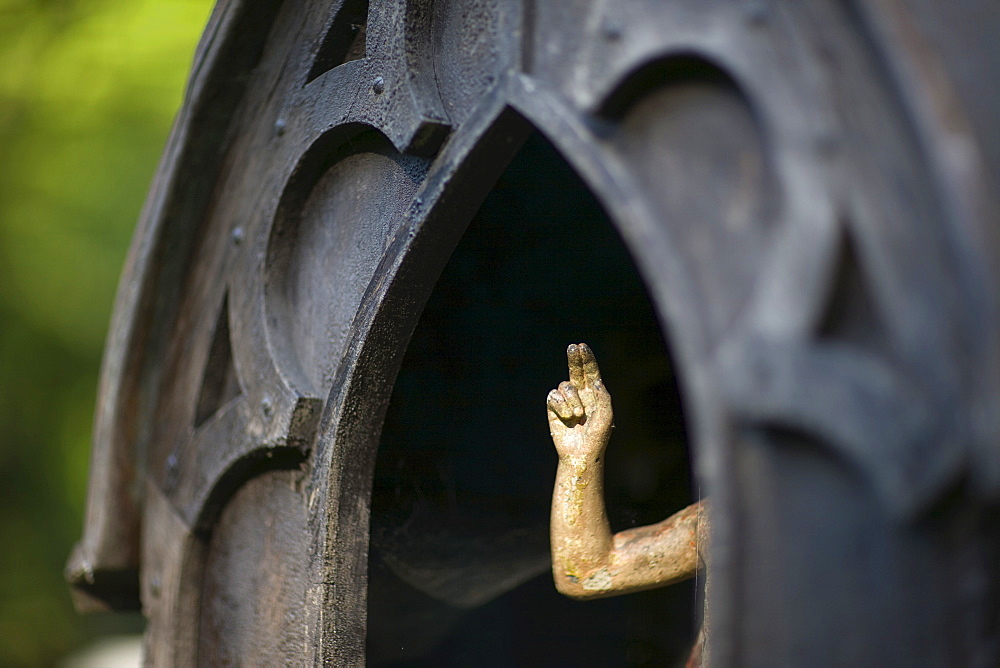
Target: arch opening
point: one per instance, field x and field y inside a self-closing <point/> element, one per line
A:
<point x="459" y="553"/>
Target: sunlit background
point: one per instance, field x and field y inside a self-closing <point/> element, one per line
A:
<point x="88" y="90"/>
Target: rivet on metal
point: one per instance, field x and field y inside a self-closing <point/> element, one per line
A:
<point x="612" y="30"/>
<point x="173" y="468"/>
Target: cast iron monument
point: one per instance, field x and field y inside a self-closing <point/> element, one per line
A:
<point x="318" y="436"/>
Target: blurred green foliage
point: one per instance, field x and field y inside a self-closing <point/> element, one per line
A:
<point x="87" y="94"/>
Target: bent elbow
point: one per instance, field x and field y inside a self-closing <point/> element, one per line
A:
<point x="568" y="586"/>
<point x="595" y="585"/>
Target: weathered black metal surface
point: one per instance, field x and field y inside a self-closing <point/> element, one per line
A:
<point x="808" y="193"/>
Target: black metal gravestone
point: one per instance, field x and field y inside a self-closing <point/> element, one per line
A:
<point x="320" y="433"/>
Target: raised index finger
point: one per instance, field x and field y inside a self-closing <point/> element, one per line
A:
<point x="576" y="375"/>
<point x="591" y="371"/>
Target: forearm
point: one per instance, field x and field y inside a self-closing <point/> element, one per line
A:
<point x="588" y="562"/>
<point x="664" y="553"/>
<point x="581" y="536"/>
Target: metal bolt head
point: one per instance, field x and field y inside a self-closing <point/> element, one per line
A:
<point x="612" y="30"/>
<point x="378" y="86"/>
<point x="172" y="470"/>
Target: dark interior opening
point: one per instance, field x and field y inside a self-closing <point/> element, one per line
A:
<point x="459" y="559"/>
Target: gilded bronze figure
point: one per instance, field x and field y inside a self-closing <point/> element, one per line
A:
<point x="587" y="560"/>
